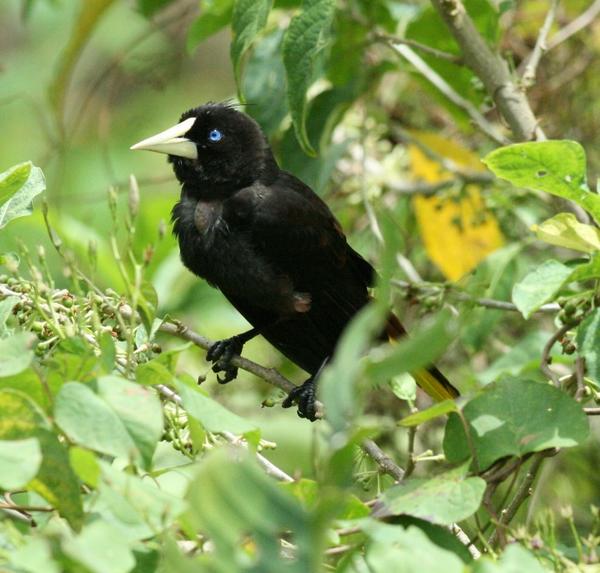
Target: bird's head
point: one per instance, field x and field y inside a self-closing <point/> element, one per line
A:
<point x="214" y="145"/>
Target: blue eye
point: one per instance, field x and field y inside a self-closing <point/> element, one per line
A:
<point x="215" y="135"/>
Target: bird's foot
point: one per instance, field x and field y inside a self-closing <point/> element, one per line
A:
<point x="221" y="354"/>
<point x="305" y="396"/>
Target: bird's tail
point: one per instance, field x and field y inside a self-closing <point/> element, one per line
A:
<point x="430" y="379"/>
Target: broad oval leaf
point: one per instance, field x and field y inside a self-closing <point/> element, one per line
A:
<point x="20" y="461"/>
<point x="249" y="18"/>
<point x="540" y="286"/>
<point x="89" y="421"/>
<point x="588" y="344"/>
<point x="556" y="167"/>
<point x="216" y="14"/>
<point x="305" y="36"/>
<point x="15" y="353"/>
<point x="18" y="187"/>
<point x="443" y="499"/>
<point x="514" y="417"/>
<point x="564" y="230"/>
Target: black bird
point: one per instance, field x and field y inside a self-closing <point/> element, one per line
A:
<point x="269" y="243"/>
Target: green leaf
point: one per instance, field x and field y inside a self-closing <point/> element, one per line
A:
<point x="20" y="461"/>
<point x="406" y="550"/>
<point x="413" y="352"/>
<point x="88" y="420"/>
<point x="304" y="38"/>
<point x="523" y="355"/>
<point x="28" y="382"/>
<point x="515" y="559"/>
<point x="435" y="411"/>
<point x="15" y="353"/>
<point x="35" y="555"/>
<point x="232" y="497"/>
<point x="161" y="369"/>
<point x="101" y="548"/>
<point x="514" y="417"/>
<point x="18" y="187"/>
<point x="540" y="286"/>
<point x="588" y="344"/>
<point x="55" y="481"/>
<point x="249" y="18"/>
<point x="404" y="387"/>
<point x="138" y="507"/>
<point x="150" y="7"/>
<point x="6" y="307"/>
<point x="556" y="167"/>
<point x="215" y="15"/>
<point x="263" y="82"/>
<point x="213" y="416"/>
<point x="564" y="230"/>
<point x="443" y="499"/>
<point x="138" y="408"/>
<point x="85" y="464"/>
<point x="146" y="304"/>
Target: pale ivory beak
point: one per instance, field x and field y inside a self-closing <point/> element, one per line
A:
<point x="171" y="141"/>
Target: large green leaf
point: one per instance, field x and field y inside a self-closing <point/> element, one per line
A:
<point x="89" y="421"/>
<point x="55" y="481"/>
<point x="213" y="416"/>
<point x="101" y="548"/>
<point x="413" y="352"/>
<point x="556" y="167"/>
<point x="249" y="18"/>
<point x="515" y="559"/>
<point x="514" y="417"/>
<point x="443" y="499"/>
<point x="409" y="550"/>
<point x="138" y="408"/>
<point x="564" y="230"/>
<point x="303" y="39"/>
<point x="18" y="187"/>
<point x="15" y="353"/>
<point x="6" y="307"/>
<point x="20" y="461"/>
<point x="233" y="498"/>
<point x="540" y="286"/>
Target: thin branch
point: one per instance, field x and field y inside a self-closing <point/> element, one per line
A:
<point x="522" y="493"/>
<point x="269" y="375"/>
<point x="581" y="22"/>
<point x="491" y="69"/>
<point x="592" y="411"/>
<point x="384" y="461"/>
<point x="540" y="47"/>
<point x="464" y="539"/>
<point x="466" y="297"/>
<point x="440" y="83"/>
<point x="547" y="359"/>
<point x="396" y="41"/>
<point x="269" y="467"/>
<point x="429" y="189"/>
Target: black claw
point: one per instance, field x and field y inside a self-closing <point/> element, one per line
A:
<point x="305" y="397"/>
<point x="221" y="354"/>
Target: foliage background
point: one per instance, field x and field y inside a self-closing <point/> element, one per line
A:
<point x="81" y="82"/>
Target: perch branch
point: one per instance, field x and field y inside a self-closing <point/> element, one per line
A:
<point x="540" y="47"/>
<point x="491" y="69"/>
<point x="581" y="22"/>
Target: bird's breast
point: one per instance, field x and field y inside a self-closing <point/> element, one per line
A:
<point x="208" y="218"/>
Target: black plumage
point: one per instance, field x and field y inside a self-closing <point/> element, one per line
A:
<point x="266" y="240"/>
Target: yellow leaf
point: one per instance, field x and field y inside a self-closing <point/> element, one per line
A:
<point x="457" y="234"/>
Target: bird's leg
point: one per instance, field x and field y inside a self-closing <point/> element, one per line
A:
<point x="222" y="351"/>
<point x="306" y="395"/>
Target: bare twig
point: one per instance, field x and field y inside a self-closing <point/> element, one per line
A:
<point x="491" y="69"/>
<point x="466" y="297"/>
<point x="522" y="493"/>
<point x="592" y="411"/>
<point x="464" y="539"/>
<point x="540" y="47"/>
<point x="581" y="22"/>
<point x="434" y="78"/>
<point x="384" y="461"/>
<point x="546" y="358"/>
<point x="395" y="41"/>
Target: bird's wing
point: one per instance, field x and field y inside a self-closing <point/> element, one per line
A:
<point x="295" y="230"/>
